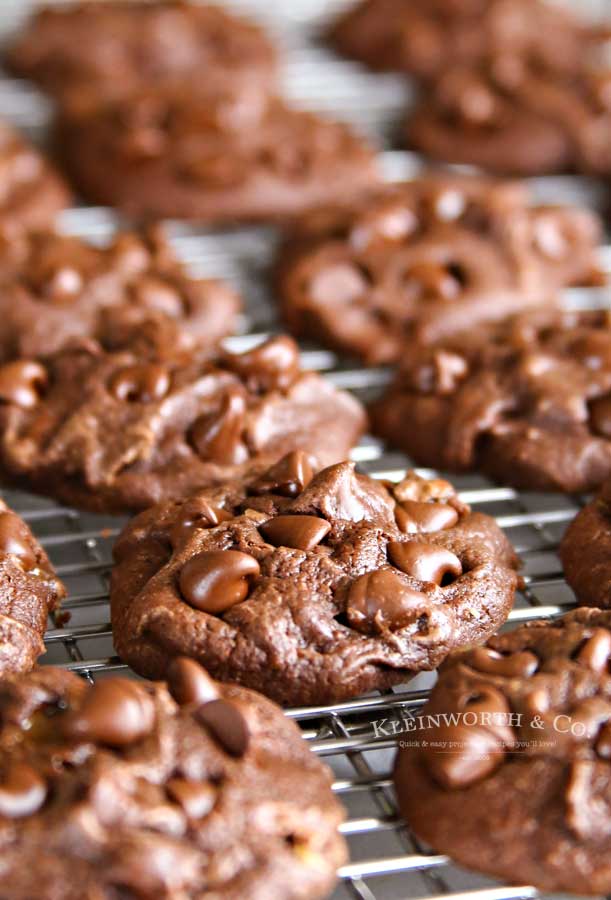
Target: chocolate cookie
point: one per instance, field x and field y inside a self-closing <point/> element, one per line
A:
<point x="424" y="37"/>
<point x="32" y="193"/>
<point x="426" y="259"/>
<point x="510" y="118"/>
<point x="116" y="48"/>
<point x="125" y="789"/>
<point x="214" y="158"/>
<point x="526" y="402"/>
<point x="585" y="552"/>
<point x="29" y="591"/>
<point x="309" y="589"/>
<point x="518" y="745"/>
<point x="113" y="431"/>
<point x="55" y="289"/>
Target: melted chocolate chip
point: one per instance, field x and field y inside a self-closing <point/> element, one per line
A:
<point x="596" y="651"/>
<point x="22" y="383"/>
<point x="195" y="798"/>
<point x="515" y="665"/>
<point x="600" y="416"/>
<point x="480" y="747"/>
<point x="217" y="436"/>
<point x="216" y="580"/>
<point x="273" y="365"/>
<point x="15" y="539"/>
<point x="227" y="724"/>
<point x="198" y="514"/>
<point x="141" y="383"/>
<point x="299" y="532"/>
<point x="414" y="517"/>
<point x="116" y="712"/>
<point x="288" y="477"/>
<point x="189" y="683"/>
<point x="381" y="601"/>
<point x="426" y="562"/>
<point x="22" y="792"/>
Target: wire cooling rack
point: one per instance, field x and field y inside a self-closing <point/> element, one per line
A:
<point x="387" y="863"/>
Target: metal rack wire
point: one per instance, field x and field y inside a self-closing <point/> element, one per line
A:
<point x="387" y="863"/>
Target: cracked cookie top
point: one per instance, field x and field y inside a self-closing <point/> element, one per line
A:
<point x="311" y="588"/>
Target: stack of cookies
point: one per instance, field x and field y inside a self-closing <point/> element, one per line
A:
<point x="262" y="569"/>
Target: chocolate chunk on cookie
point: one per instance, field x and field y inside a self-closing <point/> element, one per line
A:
<point x="310" y="588"/>
<point x="518" y="742"/>
<point x="114" y="431"/>
<point x="56" y="289"/>
<point x="32" y="193"/>
<point x="141" y="790"/>
<point x="511" y="118"/>
<point x="29" y="591"/>
<point x="215" y="159"/>
<point x="526" y="402"/>
<point x="428" y="258"/>
<point x="585" y="552"/>
<point x="116" y="48"/>
<point x="424" y="37"/>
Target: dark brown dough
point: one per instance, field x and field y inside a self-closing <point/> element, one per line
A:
<point x="116" y="48"/>
<point x="55" y="289"/>
<point x="424" y="37"/>
<point x="585" y="552"/>
<point x="509" y="118"/>
<point x="311" y="591"/>
<point x="527" y="402"/>
<point x="116" y="790"/>
<point x="119" y="430"/>
<point x="428" y="258"/>
<point x="216" y="159"/>
<point x="519" y="786"/>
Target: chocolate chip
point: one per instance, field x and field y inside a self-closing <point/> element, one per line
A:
<point x="600" y="416"/>
<point x="217" y="436"/>
<point x="414" y="517"/>
<point x="156" y="294"/>
<point x="288" y="477"/>
<point x="480" y="748"/>
<point x="22" y="792"/>
<point x="515" y="665"/>
<point x="189" y="683"/>
<point x="195" y="798"/>
<point x="427" y="280"/>
<point x="595" y="652"/>
<point x="227" y="724"/>
<point x="380" y="601"/>
<point x="298" y="532"/>
<point x="394" y="221"/>
<point x="63" y="284"/>
<point x="22" y="383"/>
<point x="603" y="743"/>
<point x="426" y="562"/>
<point x="272" y="365"/>
<point x="116" y="712"/>
<point x="15" y="539"/>
<point x="198" y="514"/>
<point x="216" y="580"/>
<point x="140" y="383"/>
<point x="341" y="282"/>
